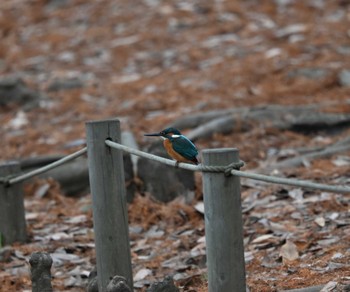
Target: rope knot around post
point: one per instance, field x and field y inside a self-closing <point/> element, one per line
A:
<point x="225" y="169"/>
<point x="233" y="165"/>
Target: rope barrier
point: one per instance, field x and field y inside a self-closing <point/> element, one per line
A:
<point x="7" y="181"/>
<point x="231" y="169"/>
<point x="260" y="177"/>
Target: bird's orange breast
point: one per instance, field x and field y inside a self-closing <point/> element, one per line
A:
<point x="169" y="148"/>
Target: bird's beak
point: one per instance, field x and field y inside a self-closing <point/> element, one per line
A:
<point x="153" y="134"/>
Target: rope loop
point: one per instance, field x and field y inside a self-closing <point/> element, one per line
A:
<point x="226" y="169"/>
<point x="233" y="165"/>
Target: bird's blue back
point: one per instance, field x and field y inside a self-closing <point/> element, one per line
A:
<point x="184" y="147"/>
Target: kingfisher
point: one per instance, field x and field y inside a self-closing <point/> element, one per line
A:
<point x="178" y="146"/>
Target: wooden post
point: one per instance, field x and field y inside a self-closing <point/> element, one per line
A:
<point x="223" y="224"/>
<point x="110" y="217"/>
<point x="12" y="216"/>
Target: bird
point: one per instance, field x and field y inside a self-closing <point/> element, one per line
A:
<point x="178" y="146"/>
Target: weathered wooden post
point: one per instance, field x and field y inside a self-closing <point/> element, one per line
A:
<point x="110" y="213"/>
<point x="12" y="216"/>
<point x="223" y="224"/>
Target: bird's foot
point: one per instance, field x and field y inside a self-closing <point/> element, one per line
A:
<point x="177" y="164"/>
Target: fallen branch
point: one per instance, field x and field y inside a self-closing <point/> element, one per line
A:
<point x="307" y="289"/>
<point x="303" y="118"/>
<point x="337" y="147"/>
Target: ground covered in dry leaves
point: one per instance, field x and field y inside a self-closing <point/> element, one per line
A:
<point x="150" y="63"/>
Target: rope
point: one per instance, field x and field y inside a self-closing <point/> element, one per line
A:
<point x="232" y="169"/>
<point x="13" y="179"/>
<point x="225" y="169"/>
<point x="293" y="182"/>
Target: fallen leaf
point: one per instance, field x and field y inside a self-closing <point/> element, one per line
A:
<point x="64" y="257"/>
<point x="296" y="194"/>
<point x="289" y="251"/>
<point x="154" y="231"/>
<point x="59" y="236"/>
<point x="18" y="121"/>
<point x="141" y="274"/>
<point x="341" y="161"/>
<point x="42" y="190"/>
<point x="199" y="207"/>
<point x="320" y="221"/>
<point x="337" y="255"/>
<point x="76" y="219"/>
<point x="263" y="238"/>
<point x="328" y="241"/>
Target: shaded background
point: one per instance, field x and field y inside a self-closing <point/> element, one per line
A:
<point x="150" y="63"/>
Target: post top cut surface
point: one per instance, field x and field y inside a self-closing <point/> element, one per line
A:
<point x="219" y="150"/>
<point x="103" y="121"/>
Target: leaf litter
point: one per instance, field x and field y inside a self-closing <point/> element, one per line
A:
<point x="179" y="59"/>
